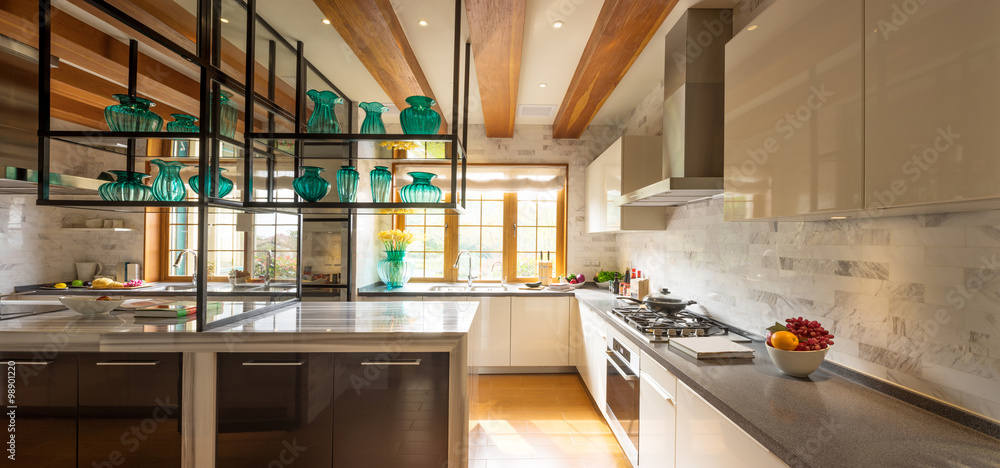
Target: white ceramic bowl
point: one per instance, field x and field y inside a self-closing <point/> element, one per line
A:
<point x="796" y="363"/>
<point x="89" y="305"/>
<point x="604" y="285"/>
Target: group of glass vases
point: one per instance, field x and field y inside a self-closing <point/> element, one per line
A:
<point x="132" y="114"/>
<point x="312" y="187"/>
<point x="418" y="119"/>
<point x="167" y="186"/>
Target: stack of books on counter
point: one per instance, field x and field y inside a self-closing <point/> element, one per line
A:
<point x="173" y="310"/>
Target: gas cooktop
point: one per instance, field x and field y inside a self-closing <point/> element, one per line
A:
<point x="659" y="327"/>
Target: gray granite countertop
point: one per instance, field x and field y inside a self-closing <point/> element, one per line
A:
<point x="455" y="290"/>
<point x="824" y="420"/>
<point x="309" y="322"/>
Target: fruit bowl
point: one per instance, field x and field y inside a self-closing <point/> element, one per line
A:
<point x="796" y="363"/>
<point x="86" y="305"/>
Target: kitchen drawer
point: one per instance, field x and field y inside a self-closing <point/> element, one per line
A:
<point x="45" y="395"/>
<point x="663" y="378"/>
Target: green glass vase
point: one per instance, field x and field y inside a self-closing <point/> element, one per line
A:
<point x="395" y="270"/>
<point x="420" y="118"/>
<point x="183" y="123"/>
<point x="420" y="190"/>
<point x="310" y="186"/>
<point x="372" y="125"/>
<point x="347" y="184"/>
<point x="132" y="114"/>
<point x="168" y="185"/>
<point x="229" y="114"/>
<point x="128" y="186"/>
<point x="225" y="185"/>
<point x="323" y="118"/>
<point x="381" y="183"/>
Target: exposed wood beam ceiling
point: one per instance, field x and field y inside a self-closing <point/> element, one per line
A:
<point x="372" y="30"/>
<point x="496" y="30"/>
<point x="623" y="29"/>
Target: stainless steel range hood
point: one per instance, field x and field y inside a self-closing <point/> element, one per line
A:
<point x="693" y="111"/>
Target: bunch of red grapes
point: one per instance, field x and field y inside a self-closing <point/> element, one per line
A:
<point x="812" y="335"/>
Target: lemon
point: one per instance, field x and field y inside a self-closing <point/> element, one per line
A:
<point x="59" y="286"/>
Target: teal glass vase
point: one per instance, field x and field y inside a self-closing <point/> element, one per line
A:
<point x="395" y="270"/>
<point x="420" y="190"/>
<point x="132" y="114"/>
<point x="323" y="118"/>
<point x="128" y="186"/>
<point x="229" y="114"/>
<point x="420" y="118"/>
<point x="168" y="185"/>
<point x="381" y="183"/>
<point x="347" y="184"/>
<point x="183" y="123"/>
<point x="372" y="125"/>
<point x="310" y="186"/>
<point x="225" y="185"/>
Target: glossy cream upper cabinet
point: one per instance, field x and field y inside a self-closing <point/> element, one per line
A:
<point x="932" y="76"/>
<point x="794" y="125"/>
<point x="628" y="164"/>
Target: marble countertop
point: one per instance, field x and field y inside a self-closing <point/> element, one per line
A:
<point x="824" y="420"/>
<point x="445" y="290"/>
<point x="166" y="289"/>
<point x="318" y="322"/>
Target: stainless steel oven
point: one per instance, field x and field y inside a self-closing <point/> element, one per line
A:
<point x="623" y="395"/>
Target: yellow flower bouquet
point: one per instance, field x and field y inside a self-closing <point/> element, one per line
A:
<point x="396" y="240"/>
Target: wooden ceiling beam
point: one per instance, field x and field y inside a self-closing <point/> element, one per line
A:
<point x="496" y="30"/>
<point x="623" y="29"/>
<point x="373" y="32"/>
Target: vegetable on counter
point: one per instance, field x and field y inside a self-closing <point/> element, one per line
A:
<point x="604" y="276"/>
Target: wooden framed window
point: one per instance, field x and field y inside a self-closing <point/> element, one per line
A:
<point x="503" y="230"/>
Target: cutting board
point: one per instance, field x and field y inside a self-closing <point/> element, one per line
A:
<point x="711" y="347"/>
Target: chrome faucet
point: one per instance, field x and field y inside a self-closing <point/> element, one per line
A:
<point x="180" y="256"/>
<point x="268" y="264"/>
<point x="459" y="258"/>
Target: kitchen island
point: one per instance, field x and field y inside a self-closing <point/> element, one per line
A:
<point x="255" y="390"/>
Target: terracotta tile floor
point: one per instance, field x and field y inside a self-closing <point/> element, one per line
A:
<point x="539" y="421"/>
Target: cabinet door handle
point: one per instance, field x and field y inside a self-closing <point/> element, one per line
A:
<point x="128" y="363"/>
<point x="254" y="362"/>
<point x="30" y="363"/>
<point x="393" y="362"/>
<point x="663" y="392"/>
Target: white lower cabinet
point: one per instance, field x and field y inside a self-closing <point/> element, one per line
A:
<point x="489" y="340"/>
<point x="710" y="440"/>
<point x="539" y="331"/>
<point x="591" y="360"/>
<point x="657" y="415"/>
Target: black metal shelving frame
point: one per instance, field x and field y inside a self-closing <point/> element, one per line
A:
<point x="212" y="79"/>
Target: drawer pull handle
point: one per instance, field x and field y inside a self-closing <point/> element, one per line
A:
<point x="656" y="387"/>
<point x="30" y="363"/>
<point x="128" y="363"/>
<point x="254" y="362"/>
<point x="393" y="362"/>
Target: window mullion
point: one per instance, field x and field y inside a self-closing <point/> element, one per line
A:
<point x="450" y="246"/>
<point x="510" y="236"/>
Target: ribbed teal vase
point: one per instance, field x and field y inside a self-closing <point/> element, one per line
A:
<point x="347" y="184"/>
<point x="127" y="186"/>
<point x="420" y="118"/>
<point x="310" y="186"/>
<point x="132" y="114"/>
<point x="229" y="115"/>
<point x="381" y="182"/>
<point x="323" y="118"/>
<point x="395" y="270"/>
<point x="168" y="185"/>
<point x="225" y="185"/>
<point x="183" y="123"/>
<point x="421" y="190"/>
<point x="373" y="124"/>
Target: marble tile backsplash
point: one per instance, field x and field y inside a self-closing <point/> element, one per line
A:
<point x="914" y="300"/>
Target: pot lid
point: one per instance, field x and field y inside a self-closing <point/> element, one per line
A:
<point x="664" y="297"/>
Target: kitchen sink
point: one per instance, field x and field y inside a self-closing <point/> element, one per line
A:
<point x="488" y="289"/>
<point x="449" y="288"/>
<point x="463" y="288"/>
<point x="179" y="288"/>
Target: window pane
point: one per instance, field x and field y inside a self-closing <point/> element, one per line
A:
<point x="547" y="239"/>
<point x="492" y="239"/>
<point x="493" y="213"/>
<point x="434" y="239"/>
<point x="468" y="238"/>
<point x="492" y="263"/>
<point x="435" y="220"/>
<point x="525" y="213"/>
<point x="527" y="265"/>
<point x="472" y="215"/>
<point x="526" y="239"/>
<point x="418" y="263"/>
<point x="434" y="265"/>
<point x="547" y="214"/>
<point x="418" y="239"/>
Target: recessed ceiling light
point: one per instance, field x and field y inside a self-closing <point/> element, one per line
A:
<point x="542" y="85"/>
<point x="422" y="23"/>
<point x="752" y="27"/>
<point x="838" y="217"/>
<point x="223" y="20"/>
<point x="558" y="24"/>
<point x="326" y="21"/>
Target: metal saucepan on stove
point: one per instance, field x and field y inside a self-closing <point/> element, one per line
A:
<point x="662" y="301"/>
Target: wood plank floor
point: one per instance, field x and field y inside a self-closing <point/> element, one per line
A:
<point x="538" y="421"/>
